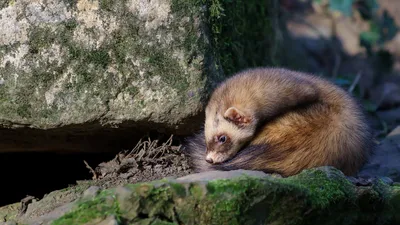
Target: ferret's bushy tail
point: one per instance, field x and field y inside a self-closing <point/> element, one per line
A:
<point x="195" y="149"/>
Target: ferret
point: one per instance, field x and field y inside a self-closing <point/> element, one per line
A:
<point x="281" y="121"/>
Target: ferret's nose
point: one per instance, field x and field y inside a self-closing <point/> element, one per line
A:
<point x="209" y="159"/>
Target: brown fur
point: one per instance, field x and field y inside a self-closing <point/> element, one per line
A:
<point x="296" y="121"/>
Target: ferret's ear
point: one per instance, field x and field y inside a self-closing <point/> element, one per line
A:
<point x="238" y="117"/>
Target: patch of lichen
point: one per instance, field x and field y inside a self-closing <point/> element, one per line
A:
<point x="132" y="53"/>
<point x="106" y="4"/>
<point x="24" y="99"/>
<point x="6" y="3"/>
<point x="9" y="212"/>
<point x="40" y="37"/>
<point x="192" y="10"/>
<point x="85" y="64"/>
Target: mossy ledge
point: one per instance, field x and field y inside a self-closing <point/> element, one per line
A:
<point x="316" y="196"/>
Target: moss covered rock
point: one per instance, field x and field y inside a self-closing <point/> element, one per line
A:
<point x="131" y="61"/>
<point x="315" y="196"/>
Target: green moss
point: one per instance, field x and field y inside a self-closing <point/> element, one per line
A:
<point x="6" y="3"/>
<point x="324" y="189"/>
<point x="382" y="188"/>
<point x="162" y="64"/>
<point x="312" y="197"/>
<point x="178" y="189"/>
<point x="395" y="200"/>
<point x="153" y="203"/>
<point x="106" y="4"/>
<point x="85" y="211"/>
<point x="24" y="110"/>
<point x="2" y="95"/>
<point x="99" y="57"/>
<point x="129" y="44"/>
<point x="70" y="24"/>
<point x="160" y="222"/>
<point x="42" y="74"/>
<point x="71" y="4"/>
<point x="132" y="90"/>
<point x="39" y="38"/>
<point x="10" y="212"/>
<point x="197" y="191"/>
<point x="242" y="33"/>
<point x="253" y="201"/>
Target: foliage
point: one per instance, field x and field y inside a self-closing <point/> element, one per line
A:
<point x="382" y="25"/>
<point x="382" y="29"/>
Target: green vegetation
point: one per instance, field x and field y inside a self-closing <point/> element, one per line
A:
<point x="243" y="33"/>
<point x="101" y="206"/>
<point x="315" y="196"/>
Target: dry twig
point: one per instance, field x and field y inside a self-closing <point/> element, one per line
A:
<point x="355" y="82"/>
<point x="91" y="170"/>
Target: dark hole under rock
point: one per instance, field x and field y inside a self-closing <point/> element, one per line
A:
<point x="37" y="173"/>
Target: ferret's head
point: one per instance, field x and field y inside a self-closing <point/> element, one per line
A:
<point x="225" y="133"/>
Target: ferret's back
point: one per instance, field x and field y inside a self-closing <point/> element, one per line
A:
<point x="329" y="131"/>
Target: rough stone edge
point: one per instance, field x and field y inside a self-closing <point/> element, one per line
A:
<point x="341" y="191"/>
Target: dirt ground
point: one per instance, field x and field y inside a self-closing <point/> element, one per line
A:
<point x="147" y="161"/>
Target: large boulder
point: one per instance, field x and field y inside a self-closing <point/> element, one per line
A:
<point x="77" y="67"/>
<point x="315" y="196"/>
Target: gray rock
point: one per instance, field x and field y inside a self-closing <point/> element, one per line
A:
<point x="81" y="66"/>
<point x="234" y="197"/>
<point x="239" y="197"/>
<point x="111" y="220"/>
<point x="73" y="63"/>
<point x="213" y="175"/>
<point x="91" y="192"/>
<point x="385" y="161"/>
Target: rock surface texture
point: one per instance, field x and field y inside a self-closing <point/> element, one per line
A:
<point x="316" y="196"/>
<point x="385" y="161"/>
<point x="75" y="67"/>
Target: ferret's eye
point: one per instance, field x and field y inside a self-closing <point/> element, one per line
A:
<point x="222" y="139"/>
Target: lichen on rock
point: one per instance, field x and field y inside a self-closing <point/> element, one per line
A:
<point x="315" y="196"/>
<point x="111" y="62"/>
